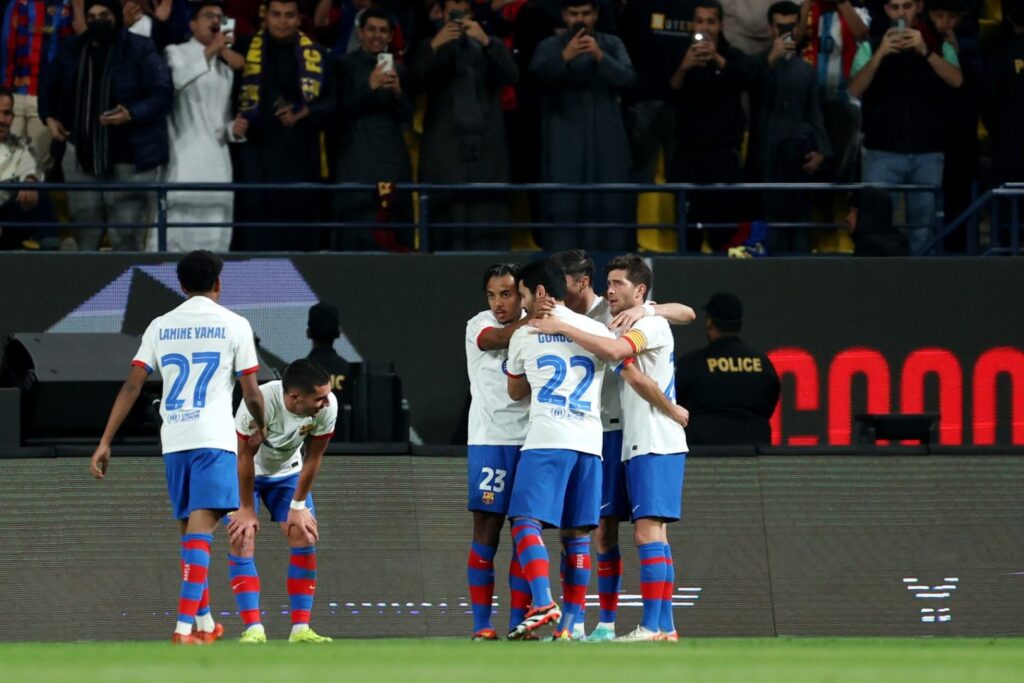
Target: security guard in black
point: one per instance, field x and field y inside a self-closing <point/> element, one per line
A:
<point x="730" y="389"/>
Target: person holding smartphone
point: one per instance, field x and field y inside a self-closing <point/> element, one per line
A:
<point x="373" y="110"/>
<point x="201" y="126"/>
<point x="905" y="88"/>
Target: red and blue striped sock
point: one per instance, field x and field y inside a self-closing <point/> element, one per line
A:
<point x="302" y="583"/>
<point x="609" y="583"/>
<point x="195" y="555"/>
<point x="204" y="620"/>
<point x="245" y="583"/>
<point x="519" y="592"/>
<point x="576" y="576"/>
<point x="666" y="622"/>
<point x="652" y="582"/>
<point x="533" y="558"/>
<point x="480" y="574"/>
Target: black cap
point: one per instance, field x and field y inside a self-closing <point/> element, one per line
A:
<point x="724" y="307"/>
<point x="323" y="322"/>
<point x="115" y="7"/>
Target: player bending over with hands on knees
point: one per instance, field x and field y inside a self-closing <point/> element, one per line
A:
<point x="301" y="410"/>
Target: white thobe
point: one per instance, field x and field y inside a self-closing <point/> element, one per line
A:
<point x="199" y="127"/>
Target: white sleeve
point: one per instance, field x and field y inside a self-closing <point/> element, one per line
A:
<point x="187" y="63"/>
<point x="479" y="324"/>
<point x="245" y="361"/>
<point x="516" y="364"/>
<point x="145" y="357"/>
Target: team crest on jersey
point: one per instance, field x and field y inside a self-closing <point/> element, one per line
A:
<point x="488" y="497"/>
<point x="305" y="429"/>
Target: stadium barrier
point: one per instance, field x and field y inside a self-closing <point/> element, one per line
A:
<point x="780" y="545"/>
<point x="424" y="193"/>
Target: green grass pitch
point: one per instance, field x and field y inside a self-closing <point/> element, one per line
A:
<point x="789" y="660"/>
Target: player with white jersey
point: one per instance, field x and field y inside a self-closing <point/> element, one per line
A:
<point x="200" y="348"/>
<point x="654" y="441"/>
<point x="301" y="410"/>
<point x="558" y="481"/>
<point x="497" y="428"/>
<point x="580" y="297"/>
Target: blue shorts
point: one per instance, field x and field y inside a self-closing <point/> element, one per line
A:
<point x="655" y="485"/>
<point x="560" y="488"/>
<point x="614" y="501"/>
<point x="277" y="494"/>
<point x="490" y="475"/>
<point x="201" y="479"/>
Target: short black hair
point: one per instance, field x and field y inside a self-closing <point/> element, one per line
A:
<point x="6" y="92"/>
<point x="725" y="311"/>
<point x="304" y="375"/>
<point x="786" y="8"/>
<point x="710" y="4"/>
<point x="196" y="7"/>
<point x="546" y="273"/>
<point x="566" y="4"/>
<point x="637" y="270"/>
<point x="198" y="271"/>
<point x="575" y="262"/>
<point x="501" y="270"/>
<point x="322" y="323"/>
<point x="375" y="12"/>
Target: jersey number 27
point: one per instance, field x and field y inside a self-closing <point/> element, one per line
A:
<point x="210" y="360"/>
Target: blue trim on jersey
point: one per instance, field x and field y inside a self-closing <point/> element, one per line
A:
<point x="558" y="487"/>
<point x="490" y="475"/>
<point x="201" y="479"/>
<point x="655" y="485"/>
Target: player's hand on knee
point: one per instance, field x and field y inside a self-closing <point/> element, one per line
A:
<point x="100" y="461"/>
<point x="243" y="526"/>
<point x="304" y="521"/>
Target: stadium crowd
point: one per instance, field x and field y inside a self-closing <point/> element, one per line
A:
<point x="458" y="91"/>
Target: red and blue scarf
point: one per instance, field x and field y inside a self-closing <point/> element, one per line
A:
<point x="31" y="33"/>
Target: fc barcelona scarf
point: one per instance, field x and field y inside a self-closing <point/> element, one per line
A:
<point x="30" y="33"/>
<point x="311" y="72"/>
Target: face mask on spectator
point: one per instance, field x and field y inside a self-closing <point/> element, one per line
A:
<point x="101" y="30"/>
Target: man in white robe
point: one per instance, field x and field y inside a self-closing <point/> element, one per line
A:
<point x="200" y="128"/>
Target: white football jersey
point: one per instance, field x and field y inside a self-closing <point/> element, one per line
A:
<point x="494" y="418"/>
<point x="566" y="380"/>
<point x="199" y="348"/>
<point x="611" y="404"/>
<point x="280" y="454"/>
<point x="647" y="429"/>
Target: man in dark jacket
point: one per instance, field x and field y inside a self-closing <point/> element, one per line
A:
<point x="730" y="389"/>
<point x="1003" y="107"/>
<point x="108" y="96"/>
<point x="710" y="122"/>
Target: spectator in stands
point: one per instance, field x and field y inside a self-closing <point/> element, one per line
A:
<point x="374" y="109"/>
<point x="17" y="164"/>
<point x="23" y="60"/>
<point x="788" y="141"/>
<point x="949" y="20"/>
<point x="580" y="75"/>
<point x="200" y="127"/>
<point x="730" y="389"/>
<point x="829" y="32"/>
<point x="108" y="95"/>
<point x="710" y="122"/>
<point x="905" y="87"/>
<point x="150" y="20"/>
<point x="462" y="70"/>
<point x="656" y="34"/>
<point x="745" y="27"/>
<point x="323" y="329"/>
<point x="1003" y="105"/>
<point x="286" y="94"/>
